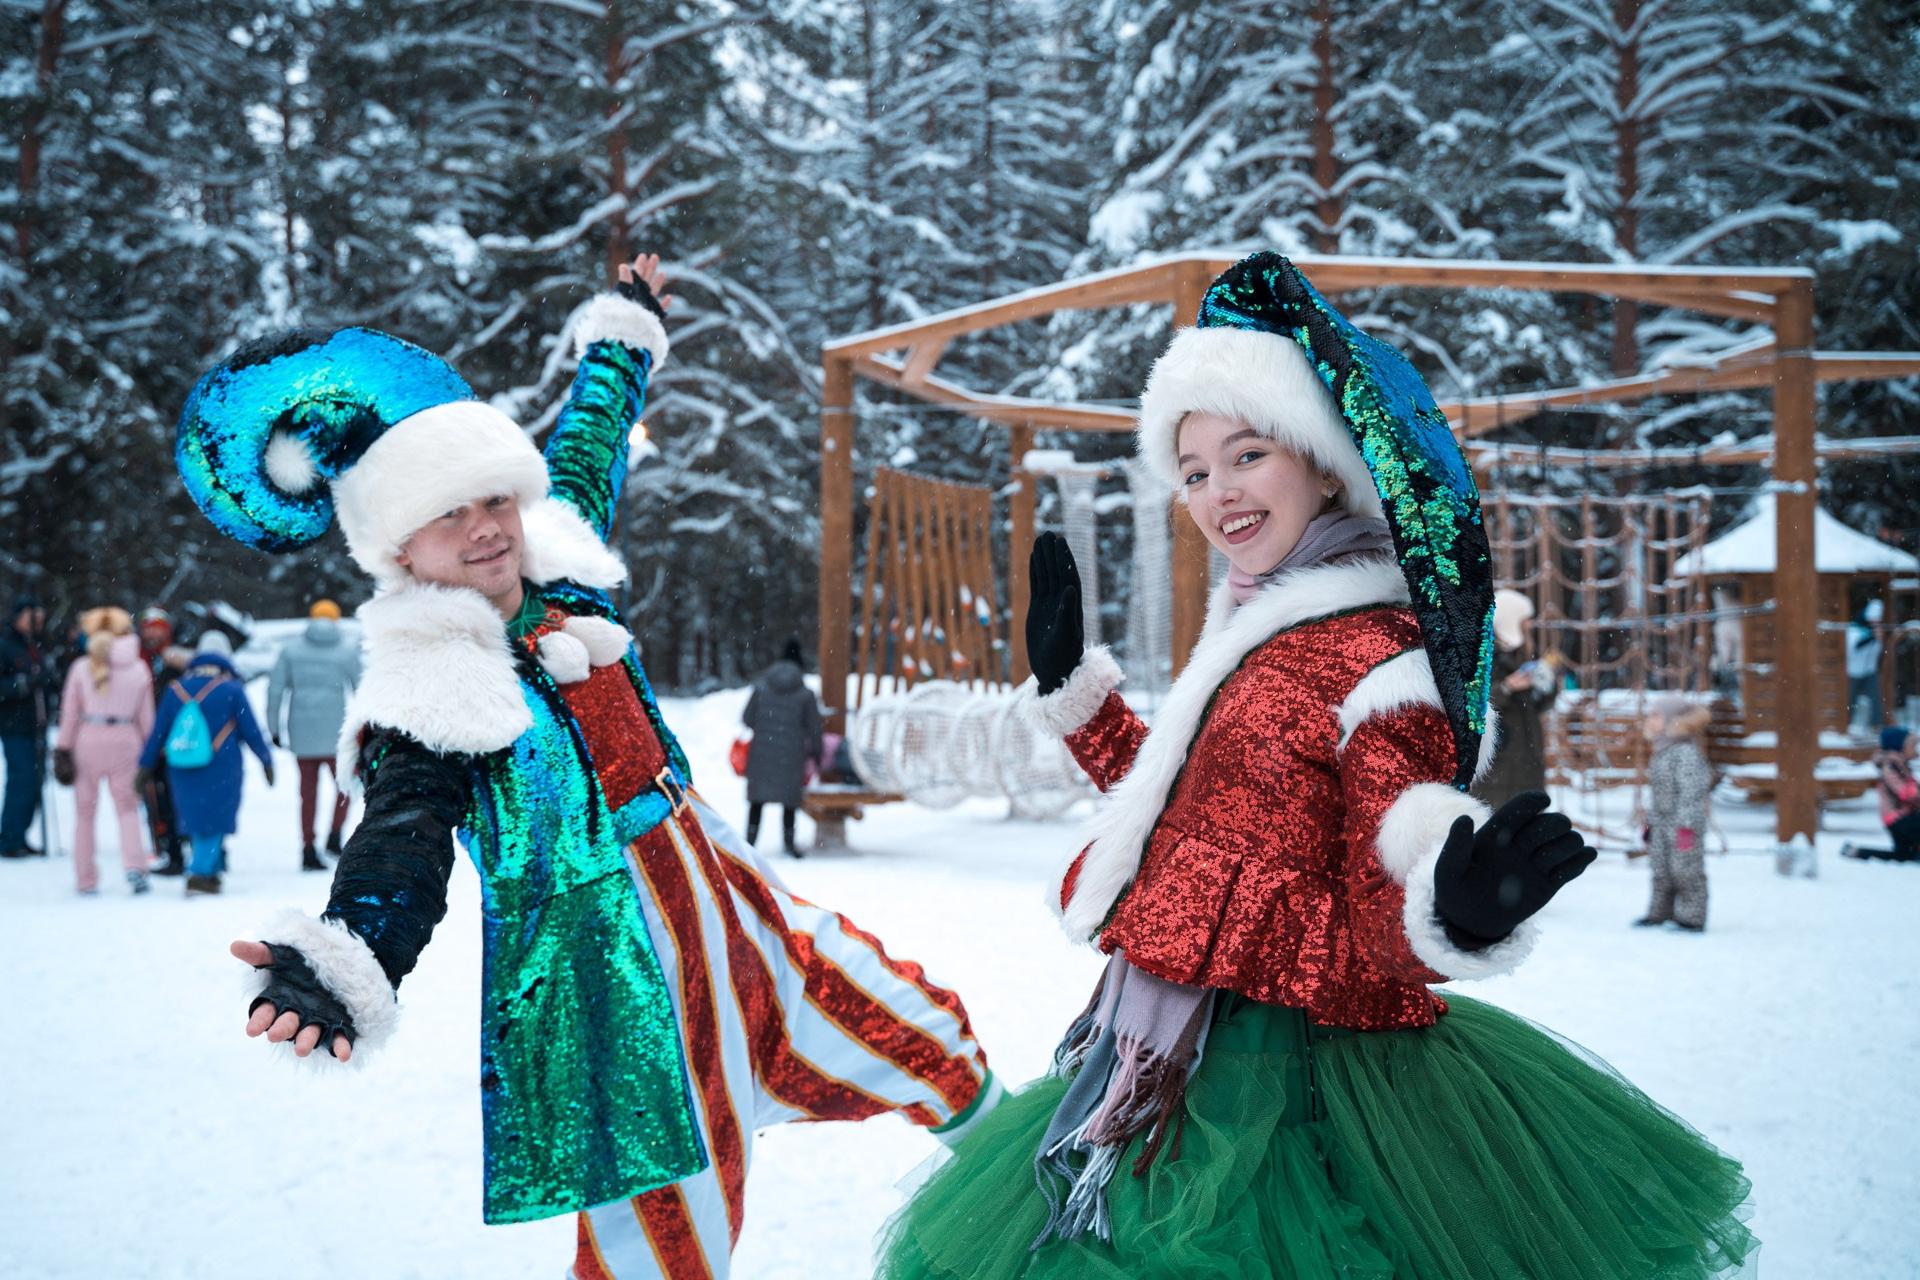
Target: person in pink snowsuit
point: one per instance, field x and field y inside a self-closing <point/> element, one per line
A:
<point x="106" y="713"/>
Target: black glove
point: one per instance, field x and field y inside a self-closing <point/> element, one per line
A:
<point x="636" y="290"/>
<point x="63" y="770"/>
<point x="1488" y="881"/>
<point x="292" y="986"/>
<point x="1055" y="636"/>
<point x="142" y="779"/>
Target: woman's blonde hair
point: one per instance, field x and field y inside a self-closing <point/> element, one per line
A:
<point x="102" y="626"/>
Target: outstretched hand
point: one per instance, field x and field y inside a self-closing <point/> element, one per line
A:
<point x="1056" y="636"/>
<point x="1487" y="882"/>
<point x="277" y="1024"/>
<point x="644" y="280"/>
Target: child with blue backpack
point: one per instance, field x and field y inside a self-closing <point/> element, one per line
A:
<point x="203" y="720"/>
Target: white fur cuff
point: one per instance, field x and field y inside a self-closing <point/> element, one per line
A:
<point x="610" y="316"/>
<point x="1416" y="825"/>
<point x="1429" y="937"/>
<point x="1079" y="699"/>
<point x="347" y="968"/>
<point x="992" y="1093"/>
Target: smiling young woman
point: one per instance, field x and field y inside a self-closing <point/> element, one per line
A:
<point x="1251" y="497"/>
<point x="1265" y="1082"/>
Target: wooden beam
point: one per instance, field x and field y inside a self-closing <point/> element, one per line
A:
<point x="1020" y="504"/>
<point x="1123" y="286"/>
<point x="1007" y="410"/>
<point x="1339" y="273"/>
<point x="1192" y="558"/>
<point x="836" y="537"/>
<point x="921" y="357"/>
<point x="1796" y="581"/>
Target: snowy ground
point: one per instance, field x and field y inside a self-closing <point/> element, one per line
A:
<point x="142" y="1136"/>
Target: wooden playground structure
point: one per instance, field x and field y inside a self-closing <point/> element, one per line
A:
<point x="904" y="358"/>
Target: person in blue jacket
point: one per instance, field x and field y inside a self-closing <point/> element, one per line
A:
<point x="206" y="799"/>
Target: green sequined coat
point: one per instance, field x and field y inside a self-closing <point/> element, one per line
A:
<point x="584" y="1091"/>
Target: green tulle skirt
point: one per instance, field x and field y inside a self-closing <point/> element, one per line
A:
<point x="1481" y="1147"/>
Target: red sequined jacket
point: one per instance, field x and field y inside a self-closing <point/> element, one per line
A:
<point x="1275" y="833"/>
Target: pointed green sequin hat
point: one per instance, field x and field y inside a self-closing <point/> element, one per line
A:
<point x="1361" y="413"/>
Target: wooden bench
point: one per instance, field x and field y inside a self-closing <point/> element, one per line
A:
<point x="830" y="805"/>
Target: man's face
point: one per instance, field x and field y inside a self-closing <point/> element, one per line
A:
<point x="29" y="621"/>
<point x="477" y="545"/>
<point x="154" y="636"/>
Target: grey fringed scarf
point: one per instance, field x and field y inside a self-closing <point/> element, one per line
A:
<point x="1130" y="1052"/>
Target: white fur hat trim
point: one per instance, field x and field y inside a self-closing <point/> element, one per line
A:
<point x="1263" y="380"/>
<point x="425" y="465"/>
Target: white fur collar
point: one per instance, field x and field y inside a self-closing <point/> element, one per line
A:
<point x="560" y="544"/>
<point x="438" y="668"/>
<point x="1127" y="814"/>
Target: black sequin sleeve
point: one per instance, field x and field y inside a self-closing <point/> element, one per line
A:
<point x="390" y="886"/>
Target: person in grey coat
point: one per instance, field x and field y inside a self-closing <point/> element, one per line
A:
<point x="1680" y="782"/>
<point x="306" y="703"/>
<point x="785" y="720"/>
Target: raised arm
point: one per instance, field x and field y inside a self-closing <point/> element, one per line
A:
<point x="336" y="976"/>
<point x="1073" y="685"/>
<point x="620" y="339"/>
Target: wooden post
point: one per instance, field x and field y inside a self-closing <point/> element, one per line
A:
<point x="1796" y="580"/>
<point x="1192" y="557"/>
<point x="1019" y="549"/>
<point x="836" y="537"/>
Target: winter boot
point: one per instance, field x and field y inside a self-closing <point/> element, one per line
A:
<point x="137" y="882"/>
<point x="202" y="884"/>
<point x="333" y="842"/>
<point x="787" y="816"/>
<point x="310" y="860"/>
<point x="175" y="864"/>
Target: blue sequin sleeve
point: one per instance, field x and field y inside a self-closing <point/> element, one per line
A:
<point x="587" y="453"/>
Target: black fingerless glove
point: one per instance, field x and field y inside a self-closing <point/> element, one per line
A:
<point x="1056" y="637"/>
<point x="292" y="985"/>
<point x="636" y="290"/>
<point x="1487" y="882"/>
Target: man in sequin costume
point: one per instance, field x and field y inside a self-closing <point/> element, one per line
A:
<point x="652" y="994"/>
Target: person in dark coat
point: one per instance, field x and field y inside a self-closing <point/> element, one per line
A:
<point x="1522" y="690"/>
<point x="785" y="719"/>
<point x="166" y="661"/>
<point x="206" y="800"/>
<point x="27" y="690"/>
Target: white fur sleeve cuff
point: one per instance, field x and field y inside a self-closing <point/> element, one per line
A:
<point x="1409" y="841"/>
<point x="346" y="966"/>
<point x="610" y="316"/>
<point x="1079" y="699"/>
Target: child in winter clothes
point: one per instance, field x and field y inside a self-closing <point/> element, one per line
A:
<point x="1899" y="795"/>
<point x="106" y="712"/>
<point x="206" y="799"/>
<point x="1680" y="780"/>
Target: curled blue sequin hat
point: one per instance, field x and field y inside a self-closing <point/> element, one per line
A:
<point x="1271" y="352"/>
<point x="295" y="430"/>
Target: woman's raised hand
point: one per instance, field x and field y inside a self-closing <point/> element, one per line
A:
<point x="1055" y="634"/>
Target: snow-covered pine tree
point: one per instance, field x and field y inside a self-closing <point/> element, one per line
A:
<point x="133" y="227"/>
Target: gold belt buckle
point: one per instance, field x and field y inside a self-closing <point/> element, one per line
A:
<point x="671" y="789"/>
